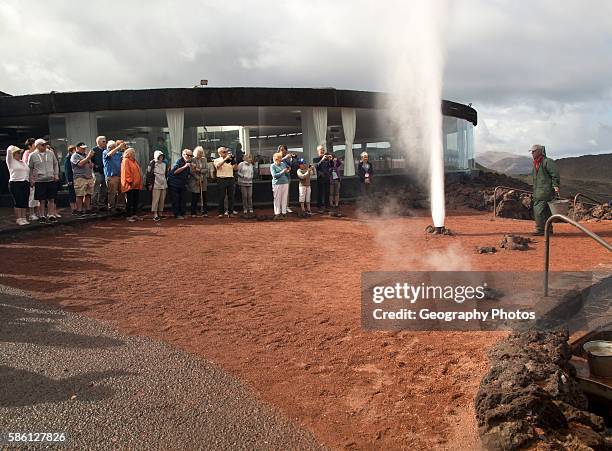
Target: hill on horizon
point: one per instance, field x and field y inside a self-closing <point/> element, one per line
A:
<point x="587" y="174"/>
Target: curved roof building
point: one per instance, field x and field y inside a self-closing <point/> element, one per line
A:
<point x="255" y="119"/>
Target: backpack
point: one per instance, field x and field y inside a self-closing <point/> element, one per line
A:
<point x="150" y="177"/>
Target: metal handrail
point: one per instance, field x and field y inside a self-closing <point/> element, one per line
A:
<point x="576" y="200"/>
<point x="495" y="196"/>
<point x="563" y="218"/>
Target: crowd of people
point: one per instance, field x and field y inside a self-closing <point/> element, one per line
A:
<point x="111" y="172"/>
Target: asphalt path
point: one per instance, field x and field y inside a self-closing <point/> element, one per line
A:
<point x="61" y="372"/>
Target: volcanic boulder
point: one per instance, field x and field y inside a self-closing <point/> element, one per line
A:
<point x="530" y="397"/>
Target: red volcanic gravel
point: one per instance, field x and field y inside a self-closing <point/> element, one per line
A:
<point x="277" y="304"/>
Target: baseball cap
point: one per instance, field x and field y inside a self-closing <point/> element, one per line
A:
<point x="39" y="141"/>
<point x="301" y="161"/>
<point x="82" y="144"/>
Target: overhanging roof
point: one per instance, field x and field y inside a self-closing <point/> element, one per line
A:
<point x="143" y="99"/>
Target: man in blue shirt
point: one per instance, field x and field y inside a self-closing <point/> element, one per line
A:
<point x="111" y="159"/>
<point x="99" y="198"/>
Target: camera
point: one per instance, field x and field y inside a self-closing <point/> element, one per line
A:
<point x="230" y="160"/>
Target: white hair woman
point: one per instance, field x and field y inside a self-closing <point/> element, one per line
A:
<point x="131" y="182"/>
<point x="157" y="184"/>
<point x="280" y="185"/>
<point x="198" y="182"/>
<point x="245" y="182"/>
<point x="365" y="173"/>
<point x="19" y="183"/>
<point x="33" y="204"/>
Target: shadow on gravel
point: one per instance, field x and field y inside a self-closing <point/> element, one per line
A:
<point x="22" y="322"/>
<point x="25" y="388"/>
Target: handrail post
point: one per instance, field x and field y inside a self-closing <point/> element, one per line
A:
<point x="546" y="255"/>
<point x="563" y="218"/>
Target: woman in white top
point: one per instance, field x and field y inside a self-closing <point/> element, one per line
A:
<point x="19" y="183"/>
<point x="245" y="182"/>
<point x="32" y="203"/>
<point x="157" y="184"/>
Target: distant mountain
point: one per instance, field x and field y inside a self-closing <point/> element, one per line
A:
<point x="585" y="167"/>
<point x="588" y="174"/>
<point x="489" y="158"/>
<point x="505" y="162"/>
<point x="513" y="165"/>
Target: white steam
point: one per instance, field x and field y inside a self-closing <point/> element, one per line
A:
<point x="415" y="65"/>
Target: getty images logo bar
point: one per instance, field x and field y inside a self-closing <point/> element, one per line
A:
<point x="465" y="300"/>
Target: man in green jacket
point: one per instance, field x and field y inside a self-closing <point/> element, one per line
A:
<point x="545" y="176"/>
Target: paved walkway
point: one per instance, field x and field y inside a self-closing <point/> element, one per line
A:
<point x="61" y="372"/>
<point x="8" y="225"/>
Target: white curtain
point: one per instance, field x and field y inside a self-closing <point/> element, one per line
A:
<point x="244" y="135"/>
<point x="141" y="149"/>
<point x="349" y="121"/>
<point x="319" y="116"/>
<point x="82" y="127"/>
<point x="309" y="137"/>
<point x="176" y="125"/>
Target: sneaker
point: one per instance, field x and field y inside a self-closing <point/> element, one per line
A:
<point x="220" y="216"/>
<point x="90" y="212"/>
<point x="194" y="216"/>
<point x="245" y="212"/>
<point x="57" y="215"/>
<point x="205" y="215"/>
<point x="283" y="216"/>
<point x="75" y="213"/>
<point x="130" y="219"/>
<point x="309" y="213"/>
<point x="289" y="210"/>
<point x="251" y="211"/>
<point x="34" y="218"/>
<point x="42" y="220"/>
<point x="156" y="218"/>
<point x="321" y="211"/>
<point x="234" y="212"/>
<point x="180" y="217"/>
<point x="51" y="218"/>
<point x="22" y="221"/>
<point x="226" y="214"/>
<point x="276" y="217"/>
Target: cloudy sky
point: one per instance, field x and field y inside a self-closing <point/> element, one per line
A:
<point x="536" y="71"/>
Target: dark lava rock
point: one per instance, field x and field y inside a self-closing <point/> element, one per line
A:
<point x="584" y="212"/>
<point x="515" y="243"/>
<point x="530" y="397"/>
<point x="486" y="250"/>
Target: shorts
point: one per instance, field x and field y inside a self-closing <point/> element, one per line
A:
<point x="83" y="187"/>
<point x="45" y="190"/>
<point x="21" y="193"/>
<point x="305" y="194"/>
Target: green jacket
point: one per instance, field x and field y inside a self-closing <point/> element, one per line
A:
<point x="545" y="180"/>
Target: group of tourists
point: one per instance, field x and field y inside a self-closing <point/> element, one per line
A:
<point x="111" y="168"/>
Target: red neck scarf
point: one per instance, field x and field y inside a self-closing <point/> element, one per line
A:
<point x="537" y="161"/>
